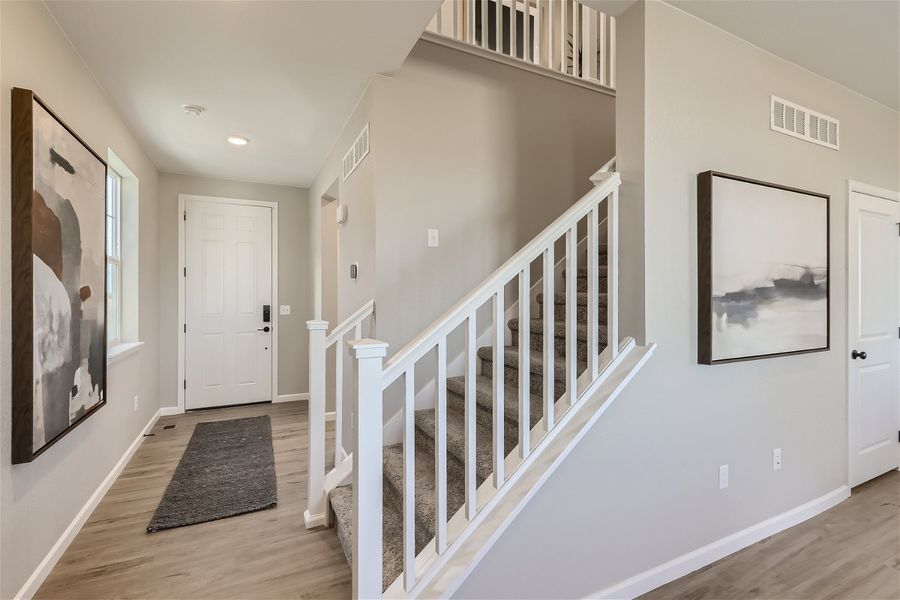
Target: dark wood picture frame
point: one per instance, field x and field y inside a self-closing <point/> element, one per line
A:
<point x="22" y="287"/>
<point x="705" y="267"/>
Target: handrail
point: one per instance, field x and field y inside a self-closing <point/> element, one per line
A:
<point x="350" y="322"/>
<point x="424" y="342"/>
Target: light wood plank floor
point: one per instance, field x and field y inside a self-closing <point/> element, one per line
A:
<point x="266" y="554"/>
<point x="851" y="551"/>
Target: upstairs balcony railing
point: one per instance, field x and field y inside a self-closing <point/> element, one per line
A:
<point x="563" y="37"/>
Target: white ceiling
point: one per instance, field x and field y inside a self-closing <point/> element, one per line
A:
<point x="853" y="42"/>
<point x="286" y="75"/>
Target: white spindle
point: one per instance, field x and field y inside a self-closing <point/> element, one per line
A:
<point x="409" y="481"/>
<point x="314" y="515"/>
<point x="455" y="10"/>
<point x="589" y="41"/>
<point x="593" y="299"/>
<point x="440" y="19"/>
<point x="526" y="32"/>
<point x="563" y="37"/>
<point x="571" y="320"/>
<point x="513" y="14"/>
<point x="471" y="391"/>
<point x="440" y="450"/>
<point x="498" y="25"/>
<point x="551" y="34"/>
<point x="612" y="272"/>
<point x="612" y="52"/>
<point x="470" y="22"/>
<point x="499" y="377"/>
<point x="525" y="362"/>
<point x="577" y="56"/>
<point x="549" y="319"/>
<point x="536" y="43"/>
<point x="357" y="331"/>
<point x="367" y="468"/>
<point x="339" y="398"/>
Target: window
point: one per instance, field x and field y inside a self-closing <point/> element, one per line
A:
<point x="113" y="258"/>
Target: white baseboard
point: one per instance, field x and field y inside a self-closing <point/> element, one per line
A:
<point x="30" y="588"/>
<point x="290" y="397"/>
<point x="168" y="411"/>
<point x="699" y="558"/>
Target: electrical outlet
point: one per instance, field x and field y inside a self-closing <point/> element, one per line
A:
<point x="284" y="310"/>
<point x="723" y="477"/>
<point x="137" y="401"/>
<point x="434" y="239"/>
<point x="776" y="459"/>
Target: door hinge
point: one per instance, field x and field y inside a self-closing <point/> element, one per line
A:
<point x="185" y="384"/>
<point x="184" y="214"/>
<point x="185" y="327"/>
<point x="184" y="274"/>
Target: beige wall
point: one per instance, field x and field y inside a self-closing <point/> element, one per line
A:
<point x="39" y="500"/>
<point x="641" y="489"/>
<point x="293" y="274"/>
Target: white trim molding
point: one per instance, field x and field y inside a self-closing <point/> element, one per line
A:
<point x="31" y="585"/>
<point x="183" y="199"/>
<point x="710" y="553"/>
<point x="121" y="350"/>
<point x="290" y="398"/>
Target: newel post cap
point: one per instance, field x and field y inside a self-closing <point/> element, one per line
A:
<point x="315" y="325"/>
<point x="368" y="348"/>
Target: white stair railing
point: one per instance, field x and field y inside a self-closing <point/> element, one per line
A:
<point x="563" y="36"/>
<point x="319" y="343"/>
<point x="373" y="378"/>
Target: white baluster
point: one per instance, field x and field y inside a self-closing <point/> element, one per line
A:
<point x="498" y="25"/>
<point x="612" y="273"/>
<point x="526" y="32"/>
<point x="513" y="13"/>
<point x="440" y="449"/>
<point x="538" y="41"/>
<point x="604" y="53"/>
<point x="549" y="320"/>
<point x="577" y="56"/>
<point x="409" y="482"/>
<point x="357" y="331"/>
<point x="315" y="513"/>
<point x="470" y="22"/>
<point x="551" y="34"/>
<point x="499" y="377"/>
<point x="612" y="52"/>
<point x="484" y="24"/>
<point x="593" y="299"/>
<point x="563" y="37"/>
<point x="455" y="6"/>
<point x="339" y="399"/>
<point x="367" y="468"/>
<point x="589" y="41"/>
<point x="471" y="390"/>
<point x="571" y="320"/>
<point x="525" y="362"/>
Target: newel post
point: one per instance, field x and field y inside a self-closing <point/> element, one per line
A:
<point x="314" y="515"/>
<point x="367" y="467"/>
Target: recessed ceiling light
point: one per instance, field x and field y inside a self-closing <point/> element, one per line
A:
<point x="192" y="109"/>
<point x="237" y="140"/>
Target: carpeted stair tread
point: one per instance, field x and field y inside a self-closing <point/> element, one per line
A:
<point x="341" y="499"/>
<point x="456" y="440"/>
<point x="559" y="329"/>
<point x="559" y="298"/>
<point x="484" y="399"/>
<point x="426" y="483"/>
<point x="511" y="367"/>
<point x="602" y="271"/>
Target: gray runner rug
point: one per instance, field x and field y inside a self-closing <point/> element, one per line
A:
<point x="227" y="469"/>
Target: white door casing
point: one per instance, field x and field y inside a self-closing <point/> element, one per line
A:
<point x="228" y="276"/>
<point x="873" y="332"/>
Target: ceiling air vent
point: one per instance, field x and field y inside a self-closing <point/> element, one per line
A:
<point x="800" y="122"/>
<point x="356" y="153"/>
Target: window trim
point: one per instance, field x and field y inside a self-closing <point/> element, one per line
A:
<point x="114" y="259"/>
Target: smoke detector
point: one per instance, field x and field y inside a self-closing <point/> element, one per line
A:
<point x="192" y="110"/>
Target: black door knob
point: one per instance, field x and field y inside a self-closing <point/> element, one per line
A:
<point x="266" y="329"/>
<point x="861" y="355"/>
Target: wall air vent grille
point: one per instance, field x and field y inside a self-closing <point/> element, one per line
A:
<point x="356" y="153"/>
<point x="799" y="122"/>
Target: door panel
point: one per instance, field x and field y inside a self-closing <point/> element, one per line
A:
<point x="228" y="259"/>
<point x="874" y="311"/>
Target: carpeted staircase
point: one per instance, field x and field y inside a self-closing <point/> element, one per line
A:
<point x="341" y="498"/>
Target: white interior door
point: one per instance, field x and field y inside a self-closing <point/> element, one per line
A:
<point x="228" y="281"/>
<point x="874" y="353"/>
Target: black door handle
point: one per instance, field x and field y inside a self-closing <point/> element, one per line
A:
<point x="266" y="329"/>
<point x="861" y="355"/>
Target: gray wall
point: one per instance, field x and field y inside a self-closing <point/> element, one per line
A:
<point x="641" y="489"/>
<point x="293" y="274"/>
<point x="39" y="500"/>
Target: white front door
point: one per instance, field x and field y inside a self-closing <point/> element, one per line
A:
<point x="228" y="282"/>
<point x="874" y="353"/>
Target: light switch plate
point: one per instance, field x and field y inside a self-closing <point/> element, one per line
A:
<point x="434" y="239"/>
<point x="284" y="310"/>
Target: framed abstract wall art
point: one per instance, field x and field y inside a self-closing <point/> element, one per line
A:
<point x="58" y="278"/>
<point x="763" y="269"/>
